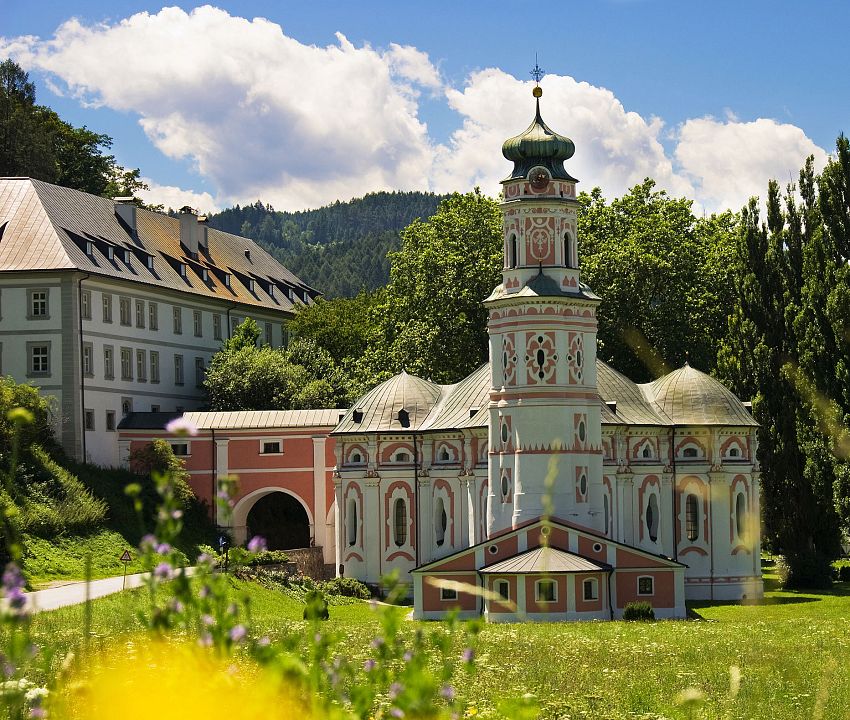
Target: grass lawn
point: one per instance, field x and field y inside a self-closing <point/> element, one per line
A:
<point x="793" y="653"/>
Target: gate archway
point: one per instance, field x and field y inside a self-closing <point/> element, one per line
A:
<point x="280" y="517"/>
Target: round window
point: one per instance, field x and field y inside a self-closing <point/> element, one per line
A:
<point x="597" y="547"/>
<point x="493" y="549"/>
<point x="545" y="531"/>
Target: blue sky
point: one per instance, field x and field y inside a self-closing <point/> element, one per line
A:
<point x="711" y="99"/>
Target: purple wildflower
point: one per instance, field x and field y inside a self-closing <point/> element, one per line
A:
<point x="163" y="548"/>
<point x="395" y="690"/>
<point x="12" y="579"/>
<point x="408" y="656"/>
<point x="176" y="606"/>
<point x="447" y="692"/>
<point x="238" y="633"/>
<point x="257" y="544"/>
<point x="176" y="514"/>
<point x="205" y="559"/>
<point x="207" y="619"/>
<point x="205" y="640"/>
<point x="376" y="643"/>
<point x="264" y="641"/>
<point x="37" y="713"/>
<point x="181" y="427"/>
<point x="148" y="542"/>
<point x="204" y="591"/>
<point x="163" y="571"/>
<point x="397" y="712"/>
<point x="468" y="655"/>
<point x="369" y="665"/>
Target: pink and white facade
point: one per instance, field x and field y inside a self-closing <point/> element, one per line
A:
<point x="546" y="483"/>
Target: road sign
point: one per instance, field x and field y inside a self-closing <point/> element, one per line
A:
<point x="125" y="558"/>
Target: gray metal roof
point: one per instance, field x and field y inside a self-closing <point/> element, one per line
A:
<point x="689" y="397"/>
<point x="544" y="560"/>
<point x="378" y="410"/>
<point x="257" y="419"/>
<point x="45" y="227"/>
<point x="632" y="406"/>
<point x="464" y="404"/>
<point x="541" y="285"/>
<point x="147" y="420"/>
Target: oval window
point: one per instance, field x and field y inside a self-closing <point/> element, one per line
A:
<point x="578" y="358"/>
<point x="440" y="522"/>
<point x="606" y="512"/>
<point x="506" y="486"/>
<point x="504" y="432"/>
<point x="741" y="514"/>
<point x="582" y="485"/>
<point x="582" y="431"/>
<point x="652" y="517"/>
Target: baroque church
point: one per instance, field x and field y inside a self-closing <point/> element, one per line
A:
<point x="546" y="485"/>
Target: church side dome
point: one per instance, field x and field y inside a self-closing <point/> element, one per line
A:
<point x="690" y="397"/>
<point x="400" y="403"/>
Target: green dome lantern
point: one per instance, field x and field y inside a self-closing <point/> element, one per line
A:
<point x="539" y="146"/>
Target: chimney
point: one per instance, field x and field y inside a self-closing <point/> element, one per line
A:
<point x="125" y="211"/>
<point x="189" y="231"/>
<point x="248" y="255"/>
<point x="202" y="232"/>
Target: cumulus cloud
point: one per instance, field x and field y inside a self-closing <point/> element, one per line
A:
<point x="175" y="198"/>
<point x="258" y="114"/>
<point x="729" y="161"/>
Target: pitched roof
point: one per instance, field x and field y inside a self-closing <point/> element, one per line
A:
<point x="47" y="227"/>
<point x="544" y="560"/>
<point x="147" y="420"/>
<point x="632" y="407"/>
<point x="256" y="419"/>
<point x="464" y="404"/>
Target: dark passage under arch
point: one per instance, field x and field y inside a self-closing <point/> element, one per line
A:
<point x="281" y="520"/>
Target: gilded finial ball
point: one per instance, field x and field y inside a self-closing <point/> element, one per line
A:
<point x="537" y="92"/>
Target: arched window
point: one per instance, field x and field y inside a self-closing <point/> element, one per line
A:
<point x="590" y="588"/>
<point x="444" y="455"/>
<point x="351" y="521"/>
<point x="512" y="251"/>
<point x="400" y="522"/>
<point x="690" y="452"/>
<point x="741" y="515"/>
<point x="356" y="458"/>
<point x="402" y="457"/>
<point x="691" y="517"/>
<point x="734" y="452"/>
<point x="441" y="521"/>
<point x="647" y="451"/>
<point x="606" y="512"/>
<point x="503" y="589"/>
<point x="568" y="250"/>
<point x="652" y="517"/>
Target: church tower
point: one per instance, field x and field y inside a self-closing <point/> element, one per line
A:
<point x="545" y="426"/>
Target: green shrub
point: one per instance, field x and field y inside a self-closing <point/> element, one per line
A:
<point x="347" y="587"/>
<point x="804" y="569"/>
<point x="269" y="557"/>
<point x="639" y="611"/>
<point x="158" y="457"/>
<point x="316" y="607"/>
<point x="841" y="570"/>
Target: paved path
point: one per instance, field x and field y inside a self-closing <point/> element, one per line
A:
<point x="75" y="593"/>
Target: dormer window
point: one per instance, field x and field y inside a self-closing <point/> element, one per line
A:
<point x="205" y="275"/>
<point x="306" y="296"/>
<point x="89" y="248"/>
<point x="126" y="256"/>
<point x="182" y="269"/>
<point x="291" y="294"/>
<point x="271" y="291"/>
<point x="227" y="280"/>
<point x="149" y="262"/>
<point x="110" y="252"/>
<point x="250" y="285"/>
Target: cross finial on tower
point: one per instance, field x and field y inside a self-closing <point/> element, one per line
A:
<point x="537" y="72"/>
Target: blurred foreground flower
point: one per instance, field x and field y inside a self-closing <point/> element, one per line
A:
<point x="171" y="681"/>
<point x="181" y="427"/>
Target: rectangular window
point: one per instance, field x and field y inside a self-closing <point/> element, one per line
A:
<point x="234" y="323"/>
<point x="154" y="366"/>
<point x="153" y="316"/>
<point x="126" y="405"/>
<point x="124" y="310"/>
<point x="107" y="308"/>
<point x="154" y="408"/>
<point x="39" y="358"/>
<point x="126" y="363"/>
<point x="216" y="327"/>
<point x="196" y="322"/>
<point x="88" y="364"/>
<point x="448" y="594"/>
<point x="180" y="449"/>
<point x="85" y="304"/>
<point x="141" y="366"/>
<point x="110" y="420"/>
<point x="590" y="587"/>
<point x="199" y="372"/>
<point x="140" y="313"/>
<point x="39" y="304"/>
<point x="108" y="362"/>
<point x="646" y="585"/>
<point x="178" y="320"/>
<point x="546" y="591"/>
<point x="268" y="331"/>
<point x="271" y="447"/>
<point x="284" y="336"/>
<point x="89" y="419"/>
<point x="178" y="369"/>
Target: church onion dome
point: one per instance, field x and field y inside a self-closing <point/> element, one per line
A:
<point x="399" y="404"/>
<point x="690" y="397"/>
<point x="539" y="146"/>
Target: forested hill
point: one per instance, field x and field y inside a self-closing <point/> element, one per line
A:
<point x="339" y="249"/>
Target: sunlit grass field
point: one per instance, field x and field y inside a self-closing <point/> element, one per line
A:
<point x="788" y="657"/>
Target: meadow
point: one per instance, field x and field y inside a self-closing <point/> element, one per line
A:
<point x="785" y="658"/>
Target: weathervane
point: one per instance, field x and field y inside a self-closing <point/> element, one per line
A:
<point x="537" y="72"/>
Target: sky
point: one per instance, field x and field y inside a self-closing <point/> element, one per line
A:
<point x="299" y="104"/>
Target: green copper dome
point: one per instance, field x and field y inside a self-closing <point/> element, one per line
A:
<point x="541" y="146"/>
